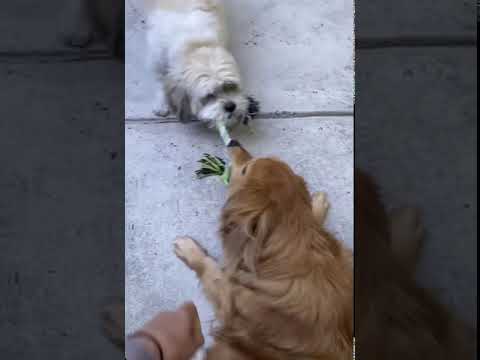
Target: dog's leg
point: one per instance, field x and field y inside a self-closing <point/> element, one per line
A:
<point x="214" y="282"/>
<point x="320" y="206"/>
<point x="161" y="106"/>
<point x="78" y="32"/>
<point x="406" y="236"/>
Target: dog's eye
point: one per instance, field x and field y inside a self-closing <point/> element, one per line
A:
<point x="227" y="87"/>
<point x="208" y="98"/>
<point x="244" y="170"/>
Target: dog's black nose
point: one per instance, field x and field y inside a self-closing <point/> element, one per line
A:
<point x="230" y="106"/>
<point x="234" y="143"/>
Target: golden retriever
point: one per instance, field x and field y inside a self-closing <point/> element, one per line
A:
<point x="286" y="288"/>
<point x="394" y="317"/>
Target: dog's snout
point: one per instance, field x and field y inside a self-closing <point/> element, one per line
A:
<point x="238" y="154"/>
<point x="230" y="106"/>
<point x="233" y="143"/>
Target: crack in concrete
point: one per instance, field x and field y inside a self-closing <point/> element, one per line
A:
<point x="55" y="56"/>
<point x="362" y="42"/>
<point x="267" y="115"/>
<point x="414" y="41"/>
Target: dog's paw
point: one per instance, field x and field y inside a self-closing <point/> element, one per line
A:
<point x="161" y="111"/>
<point x="189" y="252"/>
<point x="320" y="206"/>
<point x="161" y="107"/>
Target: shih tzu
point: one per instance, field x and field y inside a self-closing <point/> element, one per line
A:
<point x="198" y="78"/>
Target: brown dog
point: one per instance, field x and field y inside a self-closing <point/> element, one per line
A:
<point x="286" y="290"/>
<point x="394" y="317"/>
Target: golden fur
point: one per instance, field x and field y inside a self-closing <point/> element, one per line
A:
<point x="286" y="288"/>
<point x="394" y="317"/>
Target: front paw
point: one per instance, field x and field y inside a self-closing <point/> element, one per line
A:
<point x="161" y="107"/>
<point x="320" y="205"/>
<point x="161" y="111"/>
<point x="190" y="253"/>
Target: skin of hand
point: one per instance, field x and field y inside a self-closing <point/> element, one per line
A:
<point x="178" y="333"/>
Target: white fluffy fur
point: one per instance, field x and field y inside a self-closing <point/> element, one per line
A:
<point x="188" y="53"/>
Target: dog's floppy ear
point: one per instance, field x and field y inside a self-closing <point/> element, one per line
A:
<point x="184" y="109"/>
<point x="251" y="220"/>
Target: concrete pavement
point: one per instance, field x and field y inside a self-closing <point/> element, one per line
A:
<point x="297" y="60"/>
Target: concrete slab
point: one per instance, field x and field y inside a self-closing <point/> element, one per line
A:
<point x="30" y="25"/>
<point x="417" y="129"/>
<point x="306" y="67"/>
<point x="95" y="90"/>
<point x="164" y="200"/>
<point x="70" y="107"/>
<point x="417" y="18"/>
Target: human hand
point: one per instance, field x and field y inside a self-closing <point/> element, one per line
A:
<point x="178" y="333"/>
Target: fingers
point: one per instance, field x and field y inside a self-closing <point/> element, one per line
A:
<point x="195" y="328"/>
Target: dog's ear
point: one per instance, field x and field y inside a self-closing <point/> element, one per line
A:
<point x="258" y="229"/>
<point x="252" y="111"/>
<point x="253" y="106"/>
<point x="184" y="110"/>
<point x="251" y="218"/>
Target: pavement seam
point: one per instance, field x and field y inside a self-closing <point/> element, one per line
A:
<point x="414" y="41"/>
<point x="266" y="116"/>
<point x="361" y="42"/>
<point x="59" y="56"/>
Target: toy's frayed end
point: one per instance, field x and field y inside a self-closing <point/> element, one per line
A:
<point x="213" y="166"/>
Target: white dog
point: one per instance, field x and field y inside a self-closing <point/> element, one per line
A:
<point x="198" y="77"/>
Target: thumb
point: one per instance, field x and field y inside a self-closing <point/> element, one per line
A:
<point x="195" y="327"/>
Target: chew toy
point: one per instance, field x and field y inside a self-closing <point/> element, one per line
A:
<point x="223" y="131"/>
<point x="213" y="166"/>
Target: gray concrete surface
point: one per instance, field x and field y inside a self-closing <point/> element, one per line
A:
<point x="439" y="18"/>
<point x="300" y="68"/>
<point x="415" y="131"/>
<point x="35" y="26"/>
<point x="165" y="200"/>
<point x="62" y="156"/>
<point x="304" y="69"/>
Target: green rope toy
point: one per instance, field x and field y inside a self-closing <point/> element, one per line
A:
<point x="213" y="166"/>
